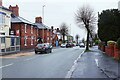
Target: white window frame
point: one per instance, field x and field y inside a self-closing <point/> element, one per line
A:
<point x="25" y="41"/>
<point x="31" y="29"/>
<point x="32" y="38"/>
<point x="2" y="19"/>
<point x="25" y="28"/>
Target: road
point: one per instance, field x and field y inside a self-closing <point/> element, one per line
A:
<point x="53" y="65"/>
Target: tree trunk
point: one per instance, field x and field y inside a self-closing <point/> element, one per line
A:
<point x="77" y="41"/>
<point x="64" y="38"/>
<point x="87" y="44"/>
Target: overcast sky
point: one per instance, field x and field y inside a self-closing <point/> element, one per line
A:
<point x="59" y="11"/>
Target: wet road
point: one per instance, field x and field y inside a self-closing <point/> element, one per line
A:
<point x="53" y="65"/>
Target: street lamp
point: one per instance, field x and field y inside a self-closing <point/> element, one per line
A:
<point x="43" y="12"/>
<point x="51" y="34"/>
<point x="43" y="20"/>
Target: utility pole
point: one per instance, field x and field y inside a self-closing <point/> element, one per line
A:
<point x="43" y="20"/>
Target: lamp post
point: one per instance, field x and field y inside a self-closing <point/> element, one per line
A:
<point x="43" y="20"/>
<point x="43" y="12"/>
<point x="51" y="34"/>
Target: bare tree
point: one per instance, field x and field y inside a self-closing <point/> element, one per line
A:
<point x="77" y="37"/>
<point x="64" y="30"/>
<point x="86" y="16"/>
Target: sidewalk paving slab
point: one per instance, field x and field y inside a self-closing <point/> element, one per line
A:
<point x="95" y="64"/>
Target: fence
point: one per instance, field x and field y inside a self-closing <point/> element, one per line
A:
<point x="9" y="44"/>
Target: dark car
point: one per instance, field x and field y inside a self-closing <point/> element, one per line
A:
<point x="68" y="45"/>
<point x="44" y="47"/>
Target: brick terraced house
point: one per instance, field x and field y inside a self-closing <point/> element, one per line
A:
<point x="44" y="31"/>
<point x="25" y="29"/>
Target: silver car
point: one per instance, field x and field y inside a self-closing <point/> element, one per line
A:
<point x="44" y="47"/>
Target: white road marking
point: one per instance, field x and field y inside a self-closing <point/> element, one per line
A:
<point x="6" y="65"/>
<point x="31" y="58"/>
<point x="69" y="74"/>
<point x="96" y="60"/>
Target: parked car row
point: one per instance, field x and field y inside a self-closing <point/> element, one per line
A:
<point x="47" y="47"/>
<point x="67" y="45"/>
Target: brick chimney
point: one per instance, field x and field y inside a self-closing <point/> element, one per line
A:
<point x="0" y="2"/>
<point x="38" y="20"/>
<point x="14" y="9"/>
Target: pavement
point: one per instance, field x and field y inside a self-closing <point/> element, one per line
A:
<point x="96" y="64"/>
<point x="28" y="52"/>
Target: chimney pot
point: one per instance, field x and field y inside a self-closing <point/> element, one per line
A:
<point x="14" y="9"/>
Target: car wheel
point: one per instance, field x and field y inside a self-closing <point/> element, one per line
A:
<point x="46" y="51"/>
<point x="35" y="52"/>
<point x="50" y="51"/>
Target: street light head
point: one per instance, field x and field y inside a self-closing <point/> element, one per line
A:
<point x="43" y="5"/>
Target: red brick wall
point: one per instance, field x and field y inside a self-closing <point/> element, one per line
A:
<point x="21" y="28"/>
<point x="46" y="35"/>
<point x="14" y="9"/>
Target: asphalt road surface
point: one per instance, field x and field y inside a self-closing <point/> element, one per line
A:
<point x="53" y="65"/>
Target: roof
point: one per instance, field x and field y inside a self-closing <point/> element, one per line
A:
<point x="4" y="8"/>
<point x="41" y="26"/>
<point x="18" y="19"/>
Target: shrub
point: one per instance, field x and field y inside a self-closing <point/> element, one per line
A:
<point x="97" y="42"/>
<point x="101" y="44"/>
<point x="118" y="42"/>
<point x="111" y="43"/>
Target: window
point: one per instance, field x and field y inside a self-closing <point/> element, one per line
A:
<point x="17" y="41"/>
<point x="31" y="29"/>
<point x="25" y="28"/>
<point x="3" y="40"/>
<point x="25" y="41"/>
<point x="12" y="41"/>
<point x="2" y="18"/>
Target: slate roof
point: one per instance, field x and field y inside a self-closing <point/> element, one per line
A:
<point x="5" y="8"/>
<point x="18" y="19"/>
<point x="41" y="26"/>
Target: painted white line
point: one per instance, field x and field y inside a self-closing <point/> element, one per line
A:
<point x="31" y="58"/>
<point x="69" y="74"/>
<point x="96" y="60"/>
<point x="6" y="65"/>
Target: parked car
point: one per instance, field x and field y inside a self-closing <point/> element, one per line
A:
<point x="82" y="45"/>
<point x="63" y="45"/>
<point x="44" y="47"/>
<point x="68" y="45"/>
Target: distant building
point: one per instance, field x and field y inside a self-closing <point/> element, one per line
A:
<point x="23" y="28"/>
<point x="119" y="5"/>
<point x="44" y="31"/>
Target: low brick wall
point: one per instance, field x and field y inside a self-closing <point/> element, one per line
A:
<point x="116" y="52"/>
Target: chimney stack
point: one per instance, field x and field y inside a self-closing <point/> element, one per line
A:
<point x="38" y="20"/>
<point x="0" y="2"/>
<point x="14" y="9"/>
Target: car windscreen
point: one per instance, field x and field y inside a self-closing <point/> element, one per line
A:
<point x="40" y="45"/>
